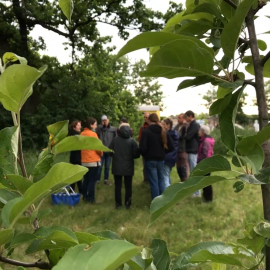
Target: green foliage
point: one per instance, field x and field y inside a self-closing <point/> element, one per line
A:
<point x="67" y="7"/>
<point x="107" y="254"/>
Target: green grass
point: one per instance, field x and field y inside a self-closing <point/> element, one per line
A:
<point x="189" y="222"/>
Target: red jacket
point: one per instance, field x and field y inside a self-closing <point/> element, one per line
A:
<point x="144" y="126"/>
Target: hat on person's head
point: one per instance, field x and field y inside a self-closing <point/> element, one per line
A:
<point x="104" y="117"/>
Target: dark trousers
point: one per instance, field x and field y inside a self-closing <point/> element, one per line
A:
<point x="118" y="187"/>
<point x="79" y="185"/>
<point x="208" y="192"/>
<point x="89" y="183"/>
<point x="182" y="166"/>
<point x="106" y="160"/>
<point x="145" y="179"/>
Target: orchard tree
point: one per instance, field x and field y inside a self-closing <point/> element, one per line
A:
<point x="208" y="42"/>
<point x="210" y="96"/>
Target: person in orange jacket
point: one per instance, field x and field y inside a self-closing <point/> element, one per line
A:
<point x="91" y="160"/>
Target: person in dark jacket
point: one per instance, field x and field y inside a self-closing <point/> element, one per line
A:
<point x="75" y="156"/>
<point x="170" y="158"/>
<point x="125" y="150"/>
<point x="143" y="127"/>
<point x="124" y="121"/>
<point x="192" y="143"/>
<point x="206" y="151"/>
<point x="106" y="133"/>
<point x="182" y="159"/>
<point x="154" y="145"/>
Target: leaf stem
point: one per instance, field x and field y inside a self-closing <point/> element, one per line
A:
<point x="22" y="165"/>
<point x="222" y="68"/>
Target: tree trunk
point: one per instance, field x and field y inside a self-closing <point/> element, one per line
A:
<point x="263" y="115"/>
<point x="19" y="13"/>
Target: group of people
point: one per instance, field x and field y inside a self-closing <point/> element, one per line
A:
<point x="160" y="145"/>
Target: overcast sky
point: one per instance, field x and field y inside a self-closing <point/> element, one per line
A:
<point x="175" y="102"/>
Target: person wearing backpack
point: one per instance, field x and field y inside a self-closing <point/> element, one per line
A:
<point x="125" y="150"/>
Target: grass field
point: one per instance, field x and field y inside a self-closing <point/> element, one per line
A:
<point x="188" y="223"/>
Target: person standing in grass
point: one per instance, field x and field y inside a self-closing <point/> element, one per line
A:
<point x="125" y="150"/>
<point x="142" y="128"/>
<point x="170" y="158"/>
<point x="106" y="132"/>
<point x="205" y="151"/>
<point x="182" y="159"/>
<point x="192" y="143"/>
<point x="90" y="159"/>
<point x="75" y="156"/>
<point x="154" y="144"/>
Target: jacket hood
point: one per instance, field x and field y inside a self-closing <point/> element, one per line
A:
<point x="155" y="129"/>
<point x="124" y="131"/>
<point x="209" y="139"/>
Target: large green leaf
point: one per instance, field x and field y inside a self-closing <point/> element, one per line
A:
<point x="22" y="239"/>
<point x="6" y="236"/>
<point x="204" y="256"/>
<point x="152" y="39"/>
<point x="215" y="163"/>
<point x="250" y="179"/>
<point x="12" y="57"/>
<point x="8" y="150"/>
<point x="56" y="240"/>
<point x="192" y="28"/>
<point x="136" y="263"/>
<point x="263" y="229"/>
<point x="103" y="255"/>
<point x="5" y="213"/>
<point x="44" y="163"/>
<point x="6" y="195"/>
<point x="266" y="69"/>
<point x="227" y="10"/>
<point x="67" y="7"/>
<point x="227" y="120"/>
<point x="194" y="82"/>
<point x="222" y="92"/>
<point x="208" y="8"/>
<point x="79" y="143"/>
<point x="220" y="105"/>
<point x="21" y="184"/>
<point x="160" y="253"/>
<point x="252" y="240"/>
<point x="86" y="238"/>
<point x="176" y="192"/>
<point x="60" y="175"/>
<point x="180" y="58"/>
<point x="45" y="231"/>
<point x="58" y="131"/>
<point x="182" y="261"/>
<point x="107" y="235"/>
<point x="232" y="30"/>
<point x="218" y="266"/>
<point x="16" y="85"/>
<point x="254" y="156"/>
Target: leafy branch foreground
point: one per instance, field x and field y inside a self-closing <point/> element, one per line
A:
<point x="188" y="46"/>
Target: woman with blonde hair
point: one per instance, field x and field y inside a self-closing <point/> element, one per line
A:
<point x="154" y="144"/>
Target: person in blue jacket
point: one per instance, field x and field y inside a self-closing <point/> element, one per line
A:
<point x="170" y="158"/>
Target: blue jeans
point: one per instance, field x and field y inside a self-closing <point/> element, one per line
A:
<point x="167" y="172"/>
<point x="156" y="177"/>
<point x="192" y="161"/>
<point x="106" y="158"/>
<point x="89" y="183"/>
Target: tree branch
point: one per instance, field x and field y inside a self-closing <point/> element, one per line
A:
<point x="265" y="59"/>
<point x="38" y="264"/>
<point x="250" y="83"/>
<point x="31" y="23"/>
<point x="232" y="4"/>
